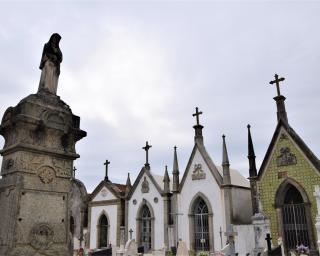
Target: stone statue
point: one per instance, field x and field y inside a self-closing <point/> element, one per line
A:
<point x="50" y="65"/>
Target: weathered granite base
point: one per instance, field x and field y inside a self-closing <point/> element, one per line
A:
<point x="40" y="135"/>
<point x="261" y="227"/>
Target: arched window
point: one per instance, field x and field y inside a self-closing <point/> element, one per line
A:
<point x="103" y="231"/>
<point x="294" y="218"/>
<point x="145" y="228"/>
<point x="201" y="226"/>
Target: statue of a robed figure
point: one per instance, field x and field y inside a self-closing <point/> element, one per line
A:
<point x="50" y="65"/>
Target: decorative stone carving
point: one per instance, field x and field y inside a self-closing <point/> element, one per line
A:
<point x="145" y="186"/>
<point x="198" y="173"/>
<point x="134" y="201"/>
<point x="41" y="236"/>
<point x="8" y="164"/>
<point x="62" y="167"/>
<point x="46" y="174"/>
<point x="156" y="199"/>
<point x="283" y="136"/>
<point x="286" y="157"/>
<point x="104" y="192"/>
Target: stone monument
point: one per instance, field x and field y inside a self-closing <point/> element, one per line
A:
<point x="40" y="135"/>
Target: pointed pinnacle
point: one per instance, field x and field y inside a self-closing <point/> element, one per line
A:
<point x="166" y="175"/>
<point x="175" y="169"/>
<point x="225" y="158"/>
<point x="250" y="144"/>
<point x="128" y="183"/>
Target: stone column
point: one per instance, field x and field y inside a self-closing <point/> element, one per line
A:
<point x="317" y="196"/>
<point x="40" y="135"/>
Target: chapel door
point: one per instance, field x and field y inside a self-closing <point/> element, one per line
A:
<point x="146" y="228"/>
<point x="294" y="220"/>
<point x="201" y="226"/>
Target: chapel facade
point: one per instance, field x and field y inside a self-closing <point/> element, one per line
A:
<point x="284" y="189"/>
<point x="198" y="207"/>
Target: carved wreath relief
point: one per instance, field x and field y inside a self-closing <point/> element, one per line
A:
<point x="198" y="173"/>
<point x="145" y="186"/>
<point x="41" y="236"/>
<point x="286" y="157"/>
<point x="46" y="174"/>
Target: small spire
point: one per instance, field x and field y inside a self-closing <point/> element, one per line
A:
<point x="225" y="163"/>
<point x="175" y="171"/>
<point x="252" y="174"/>
<point x="251" y="155"/>
<point x="225" y="158"/>
<point x="166" y="181"/>
<point x="198" y="127"/>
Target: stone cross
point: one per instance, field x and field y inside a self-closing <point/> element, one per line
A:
<point x="276" y="81"/>
<point x="106" y="164"/>
<point x="197" y="114"/>
<point x="269" y="239"/>
<point x="130" y="231"/>
<point x="146" y="148"/>
<point x="74" y="172"/>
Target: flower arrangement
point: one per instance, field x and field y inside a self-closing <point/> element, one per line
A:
<point x="302" y="249"/>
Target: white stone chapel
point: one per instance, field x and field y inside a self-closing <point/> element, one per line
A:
<point x="197" y="207"/>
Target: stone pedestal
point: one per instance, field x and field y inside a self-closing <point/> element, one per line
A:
<point x="261" y="227"/>
<point x="40" y="135"/>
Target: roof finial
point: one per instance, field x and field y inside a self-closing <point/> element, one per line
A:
<point x="281" y="108"/>
<point x="146" y="148"/>
<point x="106" y="163"/>
<point x="276" y="81"/>
<point x="198" y="127"/>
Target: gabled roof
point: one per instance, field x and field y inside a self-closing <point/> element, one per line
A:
<point x="207" y="160"/>
<point x="118" y="190"/>
<point x="146" y="171"/>
<point x="296" y="138"/>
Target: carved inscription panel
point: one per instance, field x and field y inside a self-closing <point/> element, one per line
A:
<point x="42" y="218"/>
<point x="32" y="162"/>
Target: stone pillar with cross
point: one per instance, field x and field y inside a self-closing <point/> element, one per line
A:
<point x="146" y="148"/>
<point x="106" y="163"/>
<point x="281" y="108"/>
<point x="198" y="127"/>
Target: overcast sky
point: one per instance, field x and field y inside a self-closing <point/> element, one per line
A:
<point x="135" y="71"/>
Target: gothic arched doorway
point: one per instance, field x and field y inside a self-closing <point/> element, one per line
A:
<point x="103" y="231"/>
<point x="201" y="224"/>
<point x="295" y="222"/>
<point x="146" y="229"/>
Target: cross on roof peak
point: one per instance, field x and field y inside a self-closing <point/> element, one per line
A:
<point x="146" y="148"/>
<point x="277" y="81"/>
<point x="197" y="114"/>
<point x="106" y="163"/>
